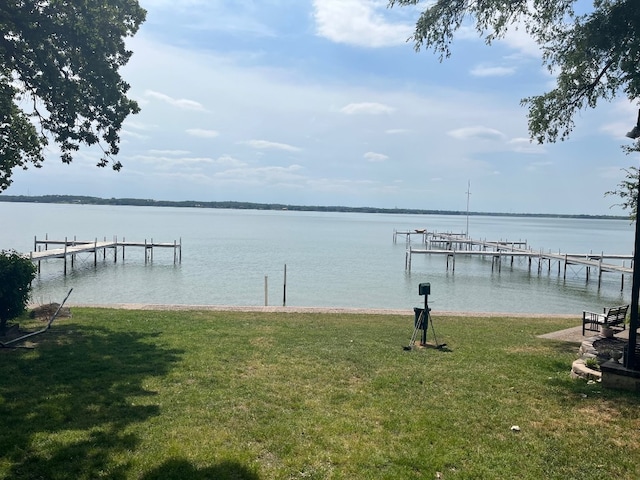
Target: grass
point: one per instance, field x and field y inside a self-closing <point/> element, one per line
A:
<point x="119" y="394"/>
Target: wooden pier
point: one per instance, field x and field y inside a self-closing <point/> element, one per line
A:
<point x="68" y="249"/>
<point x="452" y="245"/>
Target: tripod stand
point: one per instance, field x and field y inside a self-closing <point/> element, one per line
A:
<point x="422" y="320"/>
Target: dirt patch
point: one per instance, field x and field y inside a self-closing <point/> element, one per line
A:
<point x="604" y="346"/>
<point x="45" y="312"/>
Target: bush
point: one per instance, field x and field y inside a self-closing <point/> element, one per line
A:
<point x="16" y="274"/>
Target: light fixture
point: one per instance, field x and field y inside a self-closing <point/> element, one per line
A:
<point x="635" y="131"/>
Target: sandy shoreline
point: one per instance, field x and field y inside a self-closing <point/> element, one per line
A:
<point x="341" y="310"/>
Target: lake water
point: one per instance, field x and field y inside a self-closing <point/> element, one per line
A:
<point x="332" y="259"/>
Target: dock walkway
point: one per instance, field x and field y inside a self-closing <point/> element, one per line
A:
<point x="452" y="245"/>
<point x="67" y="249"/>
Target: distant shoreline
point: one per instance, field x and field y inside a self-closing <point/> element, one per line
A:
<point x="86" y="200"/>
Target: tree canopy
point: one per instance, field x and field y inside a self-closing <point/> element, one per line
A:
<point x="593" y="55"/>
<point x="59" y="78"/>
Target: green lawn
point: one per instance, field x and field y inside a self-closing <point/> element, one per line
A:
<point x="122" y="394"/>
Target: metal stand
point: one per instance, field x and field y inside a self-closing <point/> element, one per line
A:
<point x="422" y="320"/>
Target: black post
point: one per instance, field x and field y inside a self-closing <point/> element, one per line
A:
<point x="635" y="294"/>
<point x="425" y="319"/>
<point x="630" y="360"/>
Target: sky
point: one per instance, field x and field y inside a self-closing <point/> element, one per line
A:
<point x="326" y="102"/>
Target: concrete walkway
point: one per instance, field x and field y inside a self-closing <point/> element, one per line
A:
<point x="574" y="335"/>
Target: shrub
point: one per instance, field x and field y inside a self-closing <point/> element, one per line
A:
<point x="16" y="274"/>
<point x="592" y="363"/>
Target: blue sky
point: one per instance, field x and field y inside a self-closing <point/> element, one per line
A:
<point x="324" y="102"/>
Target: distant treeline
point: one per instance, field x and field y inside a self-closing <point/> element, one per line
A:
<point x="140" y="202"/>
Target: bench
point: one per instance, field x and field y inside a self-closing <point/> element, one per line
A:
<point x="610" y="317"/>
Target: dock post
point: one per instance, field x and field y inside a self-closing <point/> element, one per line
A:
<point x="65" y="255"/>
<point x="174" y="252"/>
<point x="145" y="251"/>
<point x="123" y="240"/>
<point x="266" y="289"/>
<point x="600" y="270"/>
<point x="284" y="294"/>
<point x="180" y="251"/>
<point x="115" y="248"/>
<point x="95" y="252"/>
<point x="152" y="249"/>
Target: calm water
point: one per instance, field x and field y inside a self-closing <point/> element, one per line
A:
<point x="332" y="259"/>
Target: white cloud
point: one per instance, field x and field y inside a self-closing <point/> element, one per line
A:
<point x="137" y="125"/>
<point x="180" y="103"/>
<point x="478" y="132"/>
<point x="266" y="145"/>
<point x="228" y="160"/>
<point x="492" y="71"/>
<point x="375" y="157"/>
<point x="169" y="152"/>
<point x="124" y="133"/>
<point x="358" y="22"/>
<point x="263" y="175"/>
<point x="367" y="108"/>
<point x="199" y="132"/>
<point x="525" y="145"/>
<point x="171" y="160"/>
<point x="518" y="39"/>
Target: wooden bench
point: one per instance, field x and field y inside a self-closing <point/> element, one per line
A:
<point x="611" y="317"/>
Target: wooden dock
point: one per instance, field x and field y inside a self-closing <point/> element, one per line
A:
<point x="450" y="246"/>
<point x="68" y="249"/>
